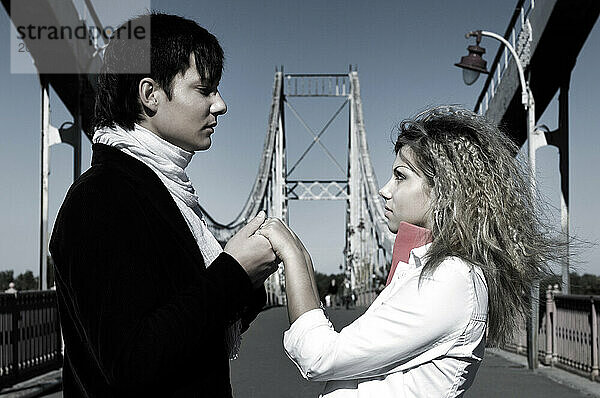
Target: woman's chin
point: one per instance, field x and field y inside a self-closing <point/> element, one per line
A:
<point x="393" y="228"/>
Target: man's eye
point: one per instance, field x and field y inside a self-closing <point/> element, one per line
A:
<point x="399" y="176"/>
<point x="206" y="90"/>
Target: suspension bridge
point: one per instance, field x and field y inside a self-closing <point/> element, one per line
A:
<point x="30" y="335"/>
<point x="369" y="243"/>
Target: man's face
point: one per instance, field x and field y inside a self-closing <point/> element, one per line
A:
<point x="189" y="118"/>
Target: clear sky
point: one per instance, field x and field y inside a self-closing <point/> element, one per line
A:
<point x="404" y="51"/>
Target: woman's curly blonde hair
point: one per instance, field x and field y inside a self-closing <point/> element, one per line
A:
<point x="483" y="208"/>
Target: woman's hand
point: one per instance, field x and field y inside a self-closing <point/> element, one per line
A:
<point x="301" y="289"/>
<point x="285" y="244"/>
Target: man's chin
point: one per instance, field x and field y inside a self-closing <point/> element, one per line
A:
<point x="204" y="146"/>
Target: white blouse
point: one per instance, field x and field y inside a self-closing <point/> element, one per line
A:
<point x="413" y="341"/>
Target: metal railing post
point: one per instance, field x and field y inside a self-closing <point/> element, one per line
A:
<point x="554" y="342"/>
<point x="549" y="326"/>
<point x="594" y="373"/>
<point x="14" y="337"/>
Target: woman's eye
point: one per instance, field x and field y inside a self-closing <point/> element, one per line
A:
<point x="399" y="176"/>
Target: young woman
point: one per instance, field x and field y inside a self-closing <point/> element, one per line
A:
<point x="480" y="243"/>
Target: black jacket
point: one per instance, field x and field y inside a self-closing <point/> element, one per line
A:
<point x="141" y="314"/>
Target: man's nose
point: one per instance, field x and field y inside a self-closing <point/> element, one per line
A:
<point x="218" y="107"/>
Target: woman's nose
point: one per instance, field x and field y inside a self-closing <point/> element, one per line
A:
<point x="384" y="193"/>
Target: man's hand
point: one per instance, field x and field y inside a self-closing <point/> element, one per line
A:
<point x="252" y="251"/>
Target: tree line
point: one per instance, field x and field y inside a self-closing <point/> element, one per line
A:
<point x="580" y="284"/>
<point x="25" y="280"/>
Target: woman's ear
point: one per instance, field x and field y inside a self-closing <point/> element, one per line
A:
<point x="430" y="194"/>
<point x="148" y="92"/>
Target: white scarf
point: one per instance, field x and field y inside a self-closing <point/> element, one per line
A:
<point x="169" y="161"/>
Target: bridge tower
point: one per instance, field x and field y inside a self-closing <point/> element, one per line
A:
<point x="369" y="243"/>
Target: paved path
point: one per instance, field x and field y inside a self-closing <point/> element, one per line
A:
<point x="264" y="371"/>
<point x="500" y="378"/>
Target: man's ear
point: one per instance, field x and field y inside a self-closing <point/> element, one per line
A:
<point x="149" y="94"/>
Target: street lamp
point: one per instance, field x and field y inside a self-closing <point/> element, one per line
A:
<point x="473" y="63"/>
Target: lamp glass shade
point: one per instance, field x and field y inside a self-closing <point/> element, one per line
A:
<point x="470" y="76"/>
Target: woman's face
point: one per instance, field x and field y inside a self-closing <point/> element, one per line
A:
<point x="406" y="194"/>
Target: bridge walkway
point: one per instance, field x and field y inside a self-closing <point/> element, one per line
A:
<point x="264" y="371"/>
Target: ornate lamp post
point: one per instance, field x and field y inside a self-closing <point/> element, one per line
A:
<point x="472" y="65"/>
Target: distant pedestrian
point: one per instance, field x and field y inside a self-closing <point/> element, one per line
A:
<point x="469" y="243"/>
<point x="332" y="291"/>
<point x="347" y="294"/>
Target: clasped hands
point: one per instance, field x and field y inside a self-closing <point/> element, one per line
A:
<point x="262" y="244"/>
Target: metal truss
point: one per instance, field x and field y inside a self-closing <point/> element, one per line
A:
<point x="316" y="137"/>
<point x="317" y="85"/>
<point x="317" y="190"/>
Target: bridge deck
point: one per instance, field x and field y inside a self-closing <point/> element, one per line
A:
<point x="264" y="371"/>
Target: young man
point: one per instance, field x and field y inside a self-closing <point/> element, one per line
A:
<point x="150" y="304"/>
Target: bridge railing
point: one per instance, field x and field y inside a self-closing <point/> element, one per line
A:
<point x="518" y="34"/>
<point x="568" y="333"/>
<point x="30" y="337"/>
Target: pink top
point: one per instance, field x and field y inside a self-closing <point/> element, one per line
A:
<point x="409" y="236"/>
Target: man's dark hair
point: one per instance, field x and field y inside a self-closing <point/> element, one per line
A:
<point x="172" y="40"/>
